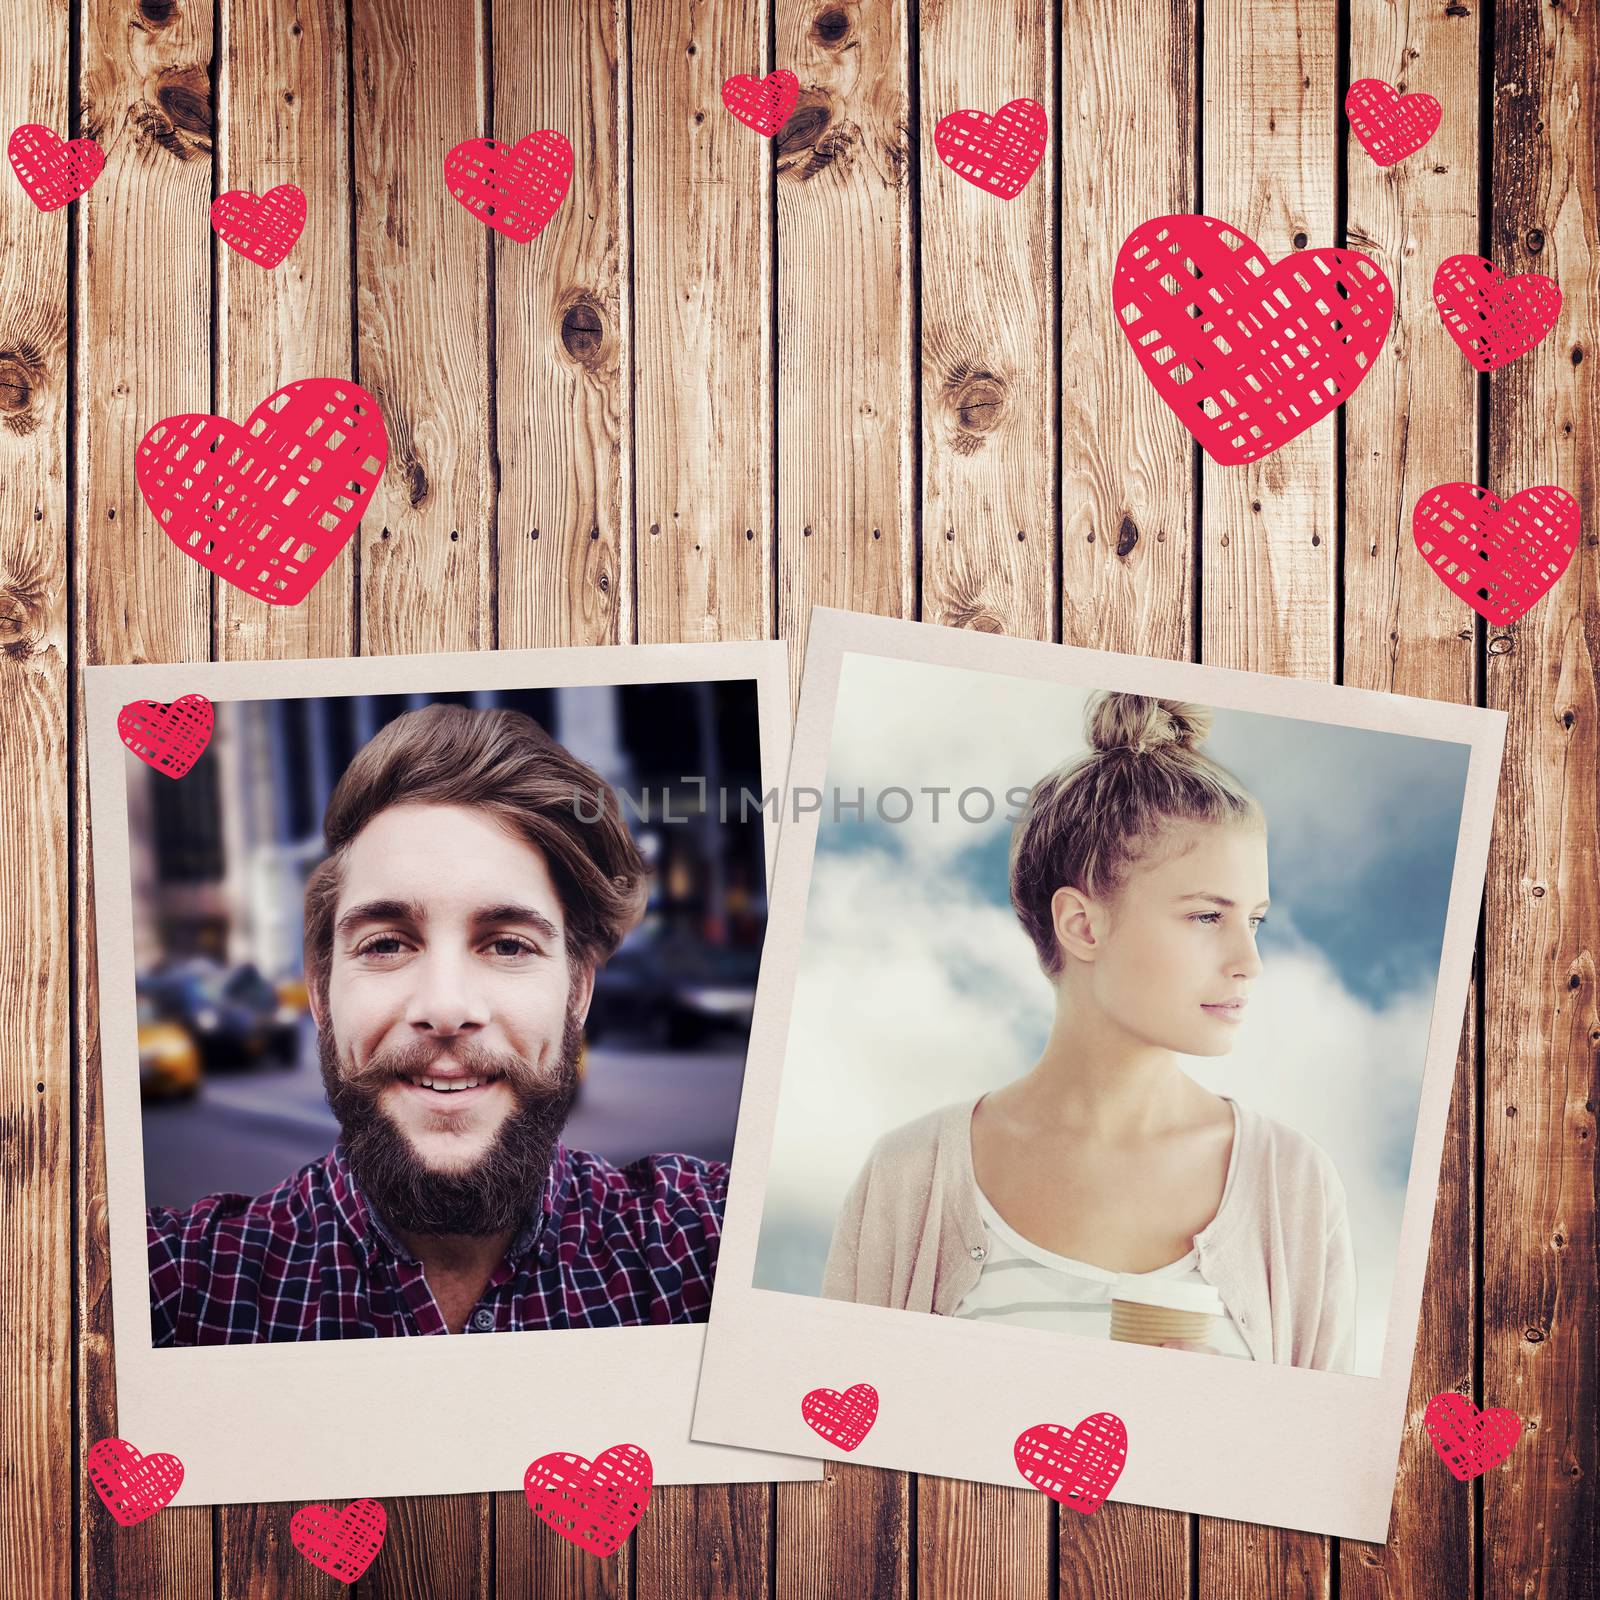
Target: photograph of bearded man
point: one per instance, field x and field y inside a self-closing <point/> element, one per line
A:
<point x="478" y="876"/>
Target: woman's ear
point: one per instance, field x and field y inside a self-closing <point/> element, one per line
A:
<point x="1073" y="916"/>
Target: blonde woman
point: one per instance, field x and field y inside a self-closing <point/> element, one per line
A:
<point x="1140" y="874"/>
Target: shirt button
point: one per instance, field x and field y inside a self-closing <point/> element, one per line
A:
<point x="483" y="1319"/>
<point x="978" y="1252"/>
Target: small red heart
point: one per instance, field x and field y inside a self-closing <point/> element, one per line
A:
<point x="764" y="104"/>
<point x="1247" y="355"/>
<point x="342" y="1543"/>
<point x="1493" y="318"/>
<point x="1470" y="1441"/>
<point x="262" y="228"/>
<point x="167" y="737"/>
<point x="53" y="170"/>
<point x="512" y="188"/>
<point x="998" y="154"/>
<point x="842" y="1419"/>
<point x="133" y="1486"/>
<point x="1077" y="1468"/>
<point x="1501" y="557"/>
<point x="1390" y="125"/>
<point x="595" y="1505"/>
<point x="267" y="506"/>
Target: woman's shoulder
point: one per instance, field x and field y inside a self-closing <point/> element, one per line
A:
<point x="1289" y="1158"/>
<point x="916" y="1142"/>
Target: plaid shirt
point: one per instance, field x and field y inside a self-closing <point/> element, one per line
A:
<point x="608" y="1247"/>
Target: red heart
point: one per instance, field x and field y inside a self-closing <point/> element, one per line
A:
<point x="1501" y="557"/>
<point x="342" y="1543"/>
<point x="1470" y="1441"/>
<point x="764" y="104"/>
<point x="1493" y="318"/>
<point x="1247" y="355"/>
<point x="1390" y="125"/>
<point x="133" y="1486"/>
<point x="167" y="737"/>
<point x="53" y="170"/>
<point x="262" y="228"/>
<point x="512" y="188"/>
<point x="1077" y="1468"/>
<point x="842" y="1419"/>
<point x="267" y="506"/>
<point x="594" y="1505"/>
<point x="999" y="153"/>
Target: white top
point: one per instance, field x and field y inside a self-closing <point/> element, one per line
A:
<point x="1025" y="1285"/>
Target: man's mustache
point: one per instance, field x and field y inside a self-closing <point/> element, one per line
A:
<point x="473" y="1058"/>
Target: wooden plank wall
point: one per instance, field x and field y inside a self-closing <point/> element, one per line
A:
<point x="736" y="377"/>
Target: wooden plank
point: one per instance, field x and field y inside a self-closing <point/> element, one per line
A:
<point x="1128" y="153"/>
<point x="422" y="308"/>
<point x="562" y="321"/>
<point x="1129" y="132"/>
<point x="1270" y="79"/>
<point x="847" y="523"/>
<point x="282" y="118"/>
<point x="702" y="193"/>
<point x="846" y="406"/>
<point x="37" y="1461"/>
<point x="989" y="512"/>
<point x="1541" y="1298"/>
<point x="1411" y="425"/>
<point x="142" y="352"/>
<point x="989" y="537"/>
<point x="1268" y="527"/>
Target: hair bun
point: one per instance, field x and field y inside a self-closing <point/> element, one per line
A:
<point x="1142" y="723"/>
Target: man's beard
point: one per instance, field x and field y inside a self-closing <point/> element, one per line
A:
<point x="498" y="1190"/>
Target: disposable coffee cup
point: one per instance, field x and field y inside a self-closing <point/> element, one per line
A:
<point x="1148" y="1311"/>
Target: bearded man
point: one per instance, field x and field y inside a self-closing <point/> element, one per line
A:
<point x="452" y="937"/>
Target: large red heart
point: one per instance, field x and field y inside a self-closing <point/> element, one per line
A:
<point x="342" y="1543"/>
<point x="167" y="737"/>
<point x="53" y="170"/>
<point x="594" y="1504"/>
<point x="1246" y="354"/>
<point x="842" y="1419"/>
<point x="1390" y="125"/>
<point x="267" y="506"/>
<point x="1501" y="557"/>
<point x="1492" y="317"/>
<point x="512" y="188"/>
<point x="1077" y="1468"/>
<point x="1470" y="1441"/>
<point x="764" y="104"/>
<point x="262" y="228"/>
<point x="997" y="154"/>
<point x="133" y="1486"/>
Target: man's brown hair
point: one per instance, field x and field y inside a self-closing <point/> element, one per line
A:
<point x="504" y="763"/>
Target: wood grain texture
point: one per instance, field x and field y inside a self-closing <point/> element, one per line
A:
<point x="1409" y="426"/>
<point x="563" y="337"/>
<point x="702" y="232"/>
<point x="989" y="505"/>
<point x="1541" y="1257"/>
<point x="36" y="1287"/>
<point x="142" y="343"/>
<point x="1270" y="79"/>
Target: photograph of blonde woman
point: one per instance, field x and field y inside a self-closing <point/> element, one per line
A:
<point x="1115" y="1196"/>
<point x="1110" y="1015"/>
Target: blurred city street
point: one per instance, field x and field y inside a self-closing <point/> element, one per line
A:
<point x="246" y="1131"/>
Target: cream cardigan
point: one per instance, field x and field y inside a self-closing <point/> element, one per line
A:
<point x="910" y="1235"/>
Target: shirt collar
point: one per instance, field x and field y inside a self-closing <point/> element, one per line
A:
<point x="370" y="1233"/>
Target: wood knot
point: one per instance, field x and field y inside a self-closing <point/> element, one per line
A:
<point x="831" y="28"/>
<point x="583" y="331"/>
<point x="185" y="96"/>
<point x="158" y="13"/>
<point x="22" y="375"/>
<point x="811" y="115"/>
<point x="1127" y="537"/>
<point x="978" y="399"/>
<point x="23" y="619"/>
